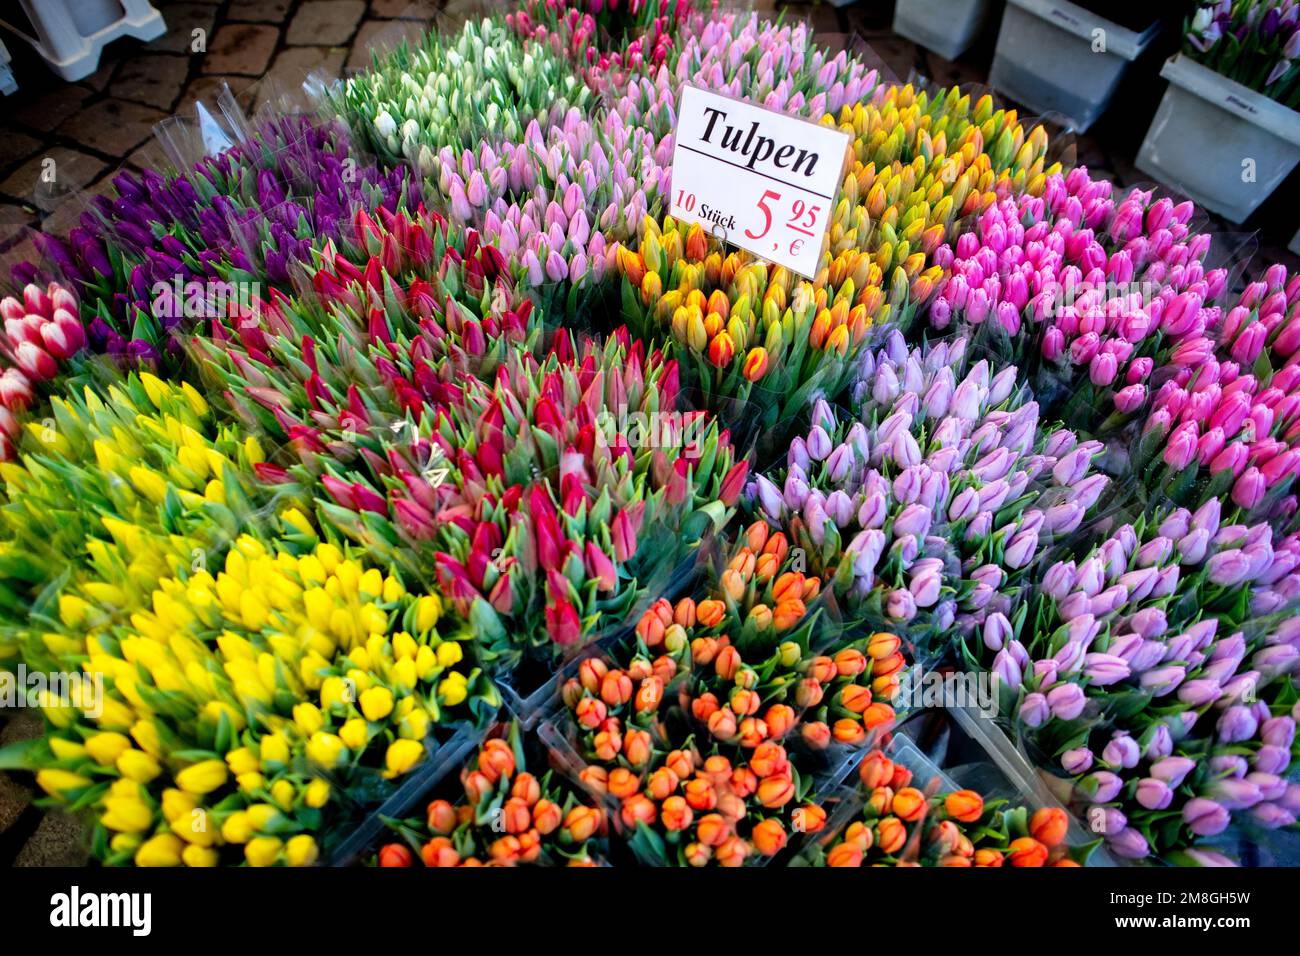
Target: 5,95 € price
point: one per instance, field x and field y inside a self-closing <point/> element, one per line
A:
<point x="755" y="178"/>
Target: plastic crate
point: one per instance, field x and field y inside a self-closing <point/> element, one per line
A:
<point x="1046" y="58"/>
<point x="71" y="34"/>
<point x="1224" y="145"/>
<point x="946" y="27"/>
<point x="441" y="760"/>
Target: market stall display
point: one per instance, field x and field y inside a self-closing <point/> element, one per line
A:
<point x="402" y="483"/>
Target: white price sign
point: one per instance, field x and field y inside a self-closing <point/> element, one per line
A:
<point x="759" y="179"/>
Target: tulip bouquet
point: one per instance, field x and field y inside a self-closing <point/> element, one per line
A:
<point x="1163" y="636"/>
<point x="1073" y="282"/>
<point x="249" y="710"/>
<point x="679" y="803"/>
<point x="506" y="817"/>
<point x="1253" y="42"/>
<point x="556" y="201"/>
<point x="452" y="91"/>
<point x="1224" y="422"/>
<point x="1169" y="784"/>
<point x="738" y="54"/>
<point x="944" y="491"/>
<point x="407" y="311"/>
<point x="1135" y="620"/>
<point x="1196" y="787"/>
<point x="758" y="343"/>
<point x="636" y="36"/>
<point x="172" y="249"/>
<point x="756" y="645"/>
<point x="897" y="824"/>
<point x="110" y="495"/>
<point x="578" y="487"/>
<point x="42" y="332"/>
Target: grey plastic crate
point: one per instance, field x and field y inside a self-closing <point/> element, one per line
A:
<point x="1046" y="58"/>
<point x="946" y="27"/>
<point x="1221" y="143"/>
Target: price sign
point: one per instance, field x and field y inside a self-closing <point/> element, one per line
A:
<point x="762" y="180"/>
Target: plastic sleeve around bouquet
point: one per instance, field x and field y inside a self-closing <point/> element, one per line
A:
<point x="505" y="808"/>
<point x="907" y="812"/>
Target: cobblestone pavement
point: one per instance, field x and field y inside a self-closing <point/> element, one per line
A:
<point x="93" y="128"/>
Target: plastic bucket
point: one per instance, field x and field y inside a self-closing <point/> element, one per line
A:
<point x="946" y="27"/>
<point x="1056" y="57"/>
<point x="1224" y="145"/>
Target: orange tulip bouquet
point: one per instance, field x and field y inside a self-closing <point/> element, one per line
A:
<point x="503" y="816"/>
<point x="891" y="822"/>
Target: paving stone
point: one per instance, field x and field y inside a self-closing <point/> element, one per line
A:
<point x="155" y="80"/>
<point x="99" y="80"/>
<point x="14" y="798"/>
<point x="259" y="11"/>
<point x="72" y="170"/>
<point x="294" y="65"/>
<point x="182" y="20"/>
<point x="15" y="147"/>
<point x="50" y="109"/>
<point x="242" y="48"/>
<point x="60" y="840"/>
<point x="380" y="36"/>
<point x="22" y="725"/>
<point x="325" y="22"/>
<point x="15" y="221"/>
<point x="404" y="9"/>
<point x="208" y="88"/>
<point x="112" y="126"/>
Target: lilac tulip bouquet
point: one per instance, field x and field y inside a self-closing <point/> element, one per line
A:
<point x="931" y="507"/>
<point x="775" y="65"/>
<point x="1144" y="668"/>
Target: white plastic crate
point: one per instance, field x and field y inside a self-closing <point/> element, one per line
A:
<point x="7" y="82"/>
<point x="946" y="27"/>
<point x="1046" y="59"/>
<point x="70" y="34"/>
<point x="1223" y="144"/>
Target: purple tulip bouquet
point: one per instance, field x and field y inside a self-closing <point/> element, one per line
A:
<point x="1254" y="42"/>
<point x="173" y="250"/>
